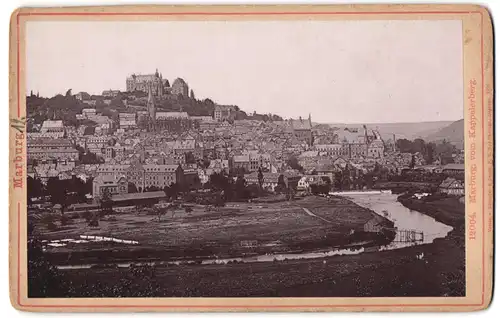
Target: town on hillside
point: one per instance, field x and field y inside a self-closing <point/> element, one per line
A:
<point x="155" y="174"/>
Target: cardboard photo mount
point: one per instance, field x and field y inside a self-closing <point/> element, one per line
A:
<point x="478" y="120"/>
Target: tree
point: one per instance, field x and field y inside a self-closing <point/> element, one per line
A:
<point x="174" y="190"/>
<point x="418" y="145"/>
<point x="57" y="191"/>
<point x="444" y="151"/>
<point x="346" y="178"/>
<point x="412" y="163"/>
<point x="337" y="180"/>
<point x="106" y="203"/>
<point x="260" y="177"/>
<point x="68" y="93"/>
<point x="117" y="102"/>
<point x="78" y="186"/>
<point x="192" y="94"/>
<point x="151" y="189"/>
<point x="159" y="212"/>
<point x="281" y="187"/>
<point x="35" y="187"/>
<point x="429" y="152"/>
<point x="205" y="163"/>
<point x="240" y="188"/>
<point x="404" y="145"/>
<point x="293" y="162"/>
<point x="219" y="200"/>
<point x="219" y="181"/>
<point x="327" y="184"/>
<point x="132" y="188"/>
<point x="189" y="157"/>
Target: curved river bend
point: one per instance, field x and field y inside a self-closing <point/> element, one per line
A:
<point x="387" y="205"/>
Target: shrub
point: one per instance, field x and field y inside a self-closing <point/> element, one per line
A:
<point x="94" y="222"/>
<point x="87" y="216"/>
<point x="49" y="218"/>
<point x="51" y="226"/>
<point x="65" y="220"/>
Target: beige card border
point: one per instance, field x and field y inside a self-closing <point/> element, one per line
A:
<point x="478" y="115"/>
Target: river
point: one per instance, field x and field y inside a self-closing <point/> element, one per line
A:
<point x="387" y="205"/>
<point x="382" y="203"/>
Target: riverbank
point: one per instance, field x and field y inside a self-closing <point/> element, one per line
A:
<point x="398" y="187"/>
<point x="450" y="211"/>
<point x="394" y="273"/>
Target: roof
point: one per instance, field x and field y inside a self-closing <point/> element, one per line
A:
<point x="242" y="158"/>
<point x="160" y="115"/>
<point x="454" y="166"/>
<point x="179" y="81"/>
<point x="126" y="115"/>
<point x="49" y="142"/>
<point x="268" y="176"/>
<point x="52" y="124"/>
<point x="223" y="107"/>
<point x="138" y="196"/>
<point x="309" y="153"/>
<point x="142" y="78"/>
<point x="108" y="179"/>
<point x="216" y="163"/>
<point x="160" y="168"/>
<point x="348" y="136"/>
<point x="203" y="118"/>
<point x="448" y="182"/>
<point x="328" y="146"/>
<point x="83" y="205"/>
<point x="31" y="150"/>
<point x="112" y="168"/>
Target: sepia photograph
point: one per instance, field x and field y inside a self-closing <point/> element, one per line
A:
<point x="235" y="158"/>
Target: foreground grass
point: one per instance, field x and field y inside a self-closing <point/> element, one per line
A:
<point x="395" y="273"/>
<point x="384" y="274"/>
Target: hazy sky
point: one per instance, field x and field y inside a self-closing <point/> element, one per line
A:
<point x="339" y="71"/>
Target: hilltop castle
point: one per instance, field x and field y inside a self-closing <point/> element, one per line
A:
<point x="159" y="85"/>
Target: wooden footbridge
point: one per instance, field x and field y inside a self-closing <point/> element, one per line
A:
<point x="409" y="236"/>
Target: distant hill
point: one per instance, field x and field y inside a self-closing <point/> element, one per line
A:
<point x="402" y="130"/>
<point x="454" y="133"/>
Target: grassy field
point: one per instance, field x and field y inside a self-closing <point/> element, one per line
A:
<point x="441" y="272"/>
<point x="220" y="231"/>
<point x="389" y="273"/>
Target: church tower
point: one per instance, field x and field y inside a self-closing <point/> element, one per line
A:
<point x="160" y="87"/>
<point x="151" y="107"/>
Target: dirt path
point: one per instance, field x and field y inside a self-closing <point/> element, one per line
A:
<point x="317" y="216"/>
